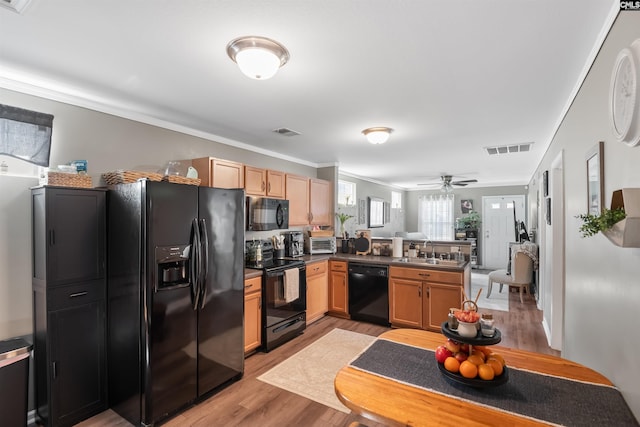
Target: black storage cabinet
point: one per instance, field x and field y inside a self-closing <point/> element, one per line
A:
<point x="14" y="381"/>
<point x="69" y="295"/>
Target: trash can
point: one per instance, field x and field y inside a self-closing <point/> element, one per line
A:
<point x="14" y="381"/>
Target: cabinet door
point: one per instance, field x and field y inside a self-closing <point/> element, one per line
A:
<point x="255" y="181"/>
<point x="338" y="294"/>
<point x="317" y="291"/>
<point x="76" y="235"/>
<point x="405" y="308"/>
<point x="439" y="299"/>
<point x="297" y="192"/>
<point x="320" y="202"/>
<point x="252" y="314"/>
<point x="227" y="174"/>
<point x="275" y="184"/>
<point x="77" y="364"/>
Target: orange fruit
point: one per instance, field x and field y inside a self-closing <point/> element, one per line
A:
<point x="451" y="364"/>
<point x="468" y="369"/>
<point x="475" y="359"/>
<point x="486" y="372"/>
<point x="484" y="349"/>
<point x="496" y="365"/>
<point x="479" y="353"/>
<point x="499" y="357"/>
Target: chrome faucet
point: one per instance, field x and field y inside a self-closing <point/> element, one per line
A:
<point x="433" y="253"/>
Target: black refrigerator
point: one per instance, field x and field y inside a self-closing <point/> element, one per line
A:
<point x="175" y="296"/>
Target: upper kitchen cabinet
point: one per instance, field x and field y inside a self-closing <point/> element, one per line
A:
<point x="309" y="200"/>
<point x="219" y="173"/>
<point x="264" y="182"/>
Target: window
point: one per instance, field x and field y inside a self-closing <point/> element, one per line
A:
<point x="396" y="200"/>
<point x="25" y="134"/>
<point x="435" y="216"/>
<point x="346" y="193"/>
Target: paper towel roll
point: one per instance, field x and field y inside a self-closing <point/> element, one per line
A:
<point x="397" y="247"/>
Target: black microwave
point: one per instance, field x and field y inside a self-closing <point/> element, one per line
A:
<point x="267" y="214"/>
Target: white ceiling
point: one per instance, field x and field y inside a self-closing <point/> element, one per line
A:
<point x="451" y="77"/>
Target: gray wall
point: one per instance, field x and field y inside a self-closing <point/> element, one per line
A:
<point x="366" y="189"/>
<point x="468" y="193"/>
<point x="602" y="281"/>
<point x="108" y="143"/>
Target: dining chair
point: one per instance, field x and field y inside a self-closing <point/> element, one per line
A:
<point x="521" y="274"/>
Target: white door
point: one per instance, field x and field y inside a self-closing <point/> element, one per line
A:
<point x="498" y="228"/>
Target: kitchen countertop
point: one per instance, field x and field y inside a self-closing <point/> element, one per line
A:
<point x="367" y="259"/>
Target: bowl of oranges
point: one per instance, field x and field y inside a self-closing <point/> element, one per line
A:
<point x="473" y="365"/>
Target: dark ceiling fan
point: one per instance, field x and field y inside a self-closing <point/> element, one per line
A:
<point x="446" y="183"/>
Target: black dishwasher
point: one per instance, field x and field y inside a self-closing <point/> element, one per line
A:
<point x="369" y="293"/>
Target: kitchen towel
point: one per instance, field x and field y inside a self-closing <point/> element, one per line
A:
<point x="397" y="247"/>
<point x="291" y="284"/>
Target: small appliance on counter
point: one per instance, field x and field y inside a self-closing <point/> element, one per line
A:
<point x="320" y="245"/>
<point x="293" y="243"/>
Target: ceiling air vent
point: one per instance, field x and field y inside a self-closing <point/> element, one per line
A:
<point x="15" y="5"/>
<point x="508" y="149"/>
<point x="286" y="132"/>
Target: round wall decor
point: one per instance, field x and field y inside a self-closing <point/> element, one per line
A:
<point x="624" y="95"/>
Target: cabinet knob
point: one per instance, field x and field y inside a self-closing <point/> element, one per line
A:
<point x="424" y="274"/>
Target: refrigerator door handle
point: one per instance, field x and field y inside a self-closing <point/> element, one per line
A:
<point x="205" y="262"/>
<point x="195" y="265"/>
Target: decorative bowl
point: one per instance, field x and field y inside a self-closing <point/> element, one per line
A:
<point x="467" y="330"/>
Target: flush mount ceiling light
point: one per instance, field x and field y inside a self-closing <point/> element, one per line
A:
<point x="258" y="57"/>
<point x="377" y="135"/>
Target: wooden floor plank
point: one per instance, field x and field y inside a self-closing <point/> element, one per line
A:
<point x="251" y="402"/>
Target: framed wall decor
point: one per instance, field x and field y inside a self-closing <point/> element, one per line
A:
<point x="595" y="179"/>
<point x="545" y="183"/>
<point x="548" y="209"/>
<point x="466" y="206"/>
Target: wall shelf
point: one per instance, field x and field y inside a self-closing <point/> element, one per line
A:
<point x="626" y="233"/>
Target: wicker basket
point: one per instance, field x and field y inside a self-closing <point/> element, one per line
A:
<point x="124" y="177"/>
<point x="62" y="179"/>
<point x="181" y="180"/>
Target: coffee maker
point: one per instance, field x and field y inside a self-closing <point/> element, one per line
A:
<point x="293" y="243"/>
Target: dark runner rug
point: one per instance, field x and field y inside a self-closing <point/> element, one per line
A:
<point x="542" y="397"/>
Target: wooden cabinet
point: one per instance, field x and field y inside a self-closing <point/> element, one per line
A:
<point x="320" y="197"/>
<point x="421" y="298"/>
<point x="338" y="289"/>
<point x="309" y="200"/>
<point x="264" y="182"/>
<point x="69" y="303"/>
<point x="252" y="314"/>
<point x="219" y="173"/>
<point x="317" y="290"/>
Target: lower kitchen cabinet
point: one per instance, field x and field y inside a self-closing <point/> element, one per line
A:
<point x="317" y="291"/>
<point x="338" y="289"/>
<point x="70" y="353"/>
<point x="252" y="314"/>
<point x="421" y="298"/>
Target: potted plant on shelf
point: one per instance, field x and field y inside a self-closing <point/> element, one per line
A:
<point x="470" y="221"/>
<point x="343" y="217"/>
<point x="621" y="223"/>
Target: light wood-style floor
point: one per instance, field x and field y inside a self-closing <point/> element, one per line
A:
<point x="250" y="402"/>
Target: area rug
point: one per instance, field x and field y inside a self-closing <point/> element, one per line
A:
<point x="311" y="371"/>
<point x="497" y="301"/>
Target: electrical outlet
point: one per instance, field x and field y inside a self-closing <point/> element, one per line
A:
<point x="455" y="248"/>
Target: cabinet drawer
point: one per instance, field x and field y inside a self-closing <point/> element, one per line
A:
<point x="427" y="275"/>
<point x="78" y="294"/>
<point x="253" y="285"/>
<point x="339" y="266"/>
<point x="317" y="268"/>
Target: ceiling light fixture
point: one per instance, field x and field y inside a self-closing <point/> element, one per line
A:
<point x="258" y="57"/>
<point x="377" y="135"/>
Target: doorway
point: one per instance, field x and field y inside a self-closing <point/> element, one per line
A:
<point x="498" y="228"/>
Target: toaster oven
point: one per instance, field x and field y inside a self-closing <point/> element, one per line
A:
<point x="319" y="245"/>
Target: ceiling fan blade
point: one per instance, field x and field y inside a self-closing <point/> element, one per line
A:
<point x="464" y="182"/>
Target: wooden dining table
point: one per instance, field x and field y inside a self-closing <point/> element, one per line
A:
<point x="392" y="403"/>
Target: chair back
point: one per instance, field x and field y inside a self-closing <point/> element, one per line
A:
<point x="522" y="268"/>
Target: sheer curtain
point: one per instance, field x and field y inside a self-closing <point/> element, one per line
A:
<point x="25" y="134"/>
<point x="435" y="216"/>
